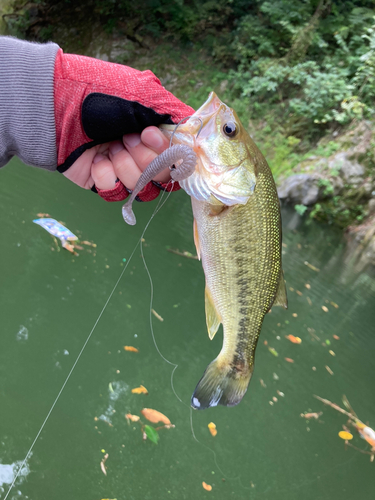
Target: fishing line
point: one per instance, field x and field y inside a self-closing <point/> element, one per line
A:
<point x="175" y="366"/>
<point x="139" y="242"/>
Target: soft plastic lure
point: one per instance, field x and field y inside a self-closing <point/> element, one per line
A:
<point x="168" y="158"/>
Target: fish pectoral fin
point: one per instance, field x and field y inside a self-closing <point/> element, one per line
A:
<point x="196" y="239"/>
<point x="280" y="297"/>
<point x="217" y="208"/>
<point x="213" y="319"/>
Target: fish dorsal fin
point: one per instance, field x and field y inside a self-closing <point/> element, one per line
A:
<point x="196" y="239"/>
<point x="281" y="298"/>
<point x="213" y="319"/>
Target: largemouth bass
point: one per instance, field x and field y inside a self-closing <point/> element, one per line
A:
<point x="237" y="233"/>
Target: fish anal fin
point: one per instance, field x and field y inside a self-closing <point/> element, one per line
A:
<point x="281" y="297"/>
<point x="213" y="319"/>
<point x="196" y="239"/>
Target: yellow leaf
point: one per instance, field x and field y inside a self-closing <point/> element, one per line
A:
<point x="212" y="429"/>
<point x="140" y="390"/>
<point x="328" y="369"/>
<point x="155" y="416"/>
<point x="133" y="418"/>
<point x="157" y="315"/>
<point x="293" y="339"/>
<point x="345" y="435"/>
<point x="206" y="486"/>
<point x="130" y="348"/>
<point x="325" y="309"/>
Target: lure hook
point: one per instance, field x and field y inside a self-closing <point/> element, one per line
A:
<point x="179" y="123"/>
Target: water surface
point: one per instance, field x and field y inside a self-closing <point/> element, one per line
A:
<point x="50" y="301"/>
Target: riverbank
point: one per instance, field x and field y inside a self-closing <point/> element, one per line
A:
<point x="330" y="178"/>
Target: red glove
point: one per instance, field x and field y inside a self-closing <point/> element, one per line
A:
<point x="98" y="102"/>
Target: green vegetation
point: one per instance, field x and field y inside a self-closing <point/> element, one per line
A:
<point x="297" y="72"/>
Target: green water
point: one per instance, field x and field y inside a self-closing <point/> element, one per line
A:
<point x="50" y="301"/>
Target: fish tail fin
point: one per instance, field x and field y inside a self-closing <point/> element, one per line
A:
<point x="221" y="384"/>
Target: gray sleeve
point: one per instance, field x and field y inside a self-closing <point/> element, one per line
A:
<point x="27" y="120"/>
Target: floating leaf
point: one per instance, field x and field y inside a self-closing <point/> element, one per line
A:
<point x="294" y="315"/>
<point x="309" y="416"/>
<point x="345" y="435"/>
<point x="102" y="464"/>
<point x="212" y="429"/>
<point x="332" y="353"/>
<point x="152" y="434"/>
<point x="293" y="339"/>
<point x="206" y="486"/>
<point x="325" y="309"/>
<point x="157" y="315"/>
<point x="132" y="418"/>
<point x="336" y="337"/>
<point x="130" y="348"/>
<point x="140" y="390"/>
<point x="311" y="266"/>
<point x="273" y="351"/>
<point x="334" y="305"/>
<point x="155" y="416"/>
<point x="110" y="387"/>
<point x="329" y="370"/>
<point x="290" y="360"/>
<point x="298" y="293"/>
<point x="308" y="286"/>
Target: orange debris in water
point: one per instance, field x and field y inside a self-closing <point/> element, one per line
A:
<point x="290" y="360"/>
<point x="293" y="339"/>
<point x="336" y="337"/>
<point x="130" y="348"/>
<point x="133" y="418"/>
<point x="206" y="486"/>
<point x="155" y="416"/>
<point x="212" y="429"/>
<point x="345" y="435"/>
<point x="140" y="390"/>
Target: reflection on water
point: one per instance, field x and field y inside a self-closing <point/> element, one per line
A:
<point x="50" y="300"/>
<point x="8" y="473"/>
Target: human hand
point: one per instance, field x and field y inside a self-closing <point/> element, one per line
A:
<point x="124" y="160"/>
<point x="103" y="116"/>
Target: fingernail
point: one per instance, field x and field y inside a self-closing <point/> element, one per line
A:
<point x="99" y="157"/>
<point x="152" y="139"/>
<point x="116" y="147"/>
<point x="132" y="140"/>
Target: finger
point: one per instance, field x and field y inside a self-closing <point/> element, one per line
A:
<point x="80" y="171"/>
<point x="153" y="138"/>
<point x="125" y="167"/>
<point x="143" y="155"/>
<point x="103" y="172"/>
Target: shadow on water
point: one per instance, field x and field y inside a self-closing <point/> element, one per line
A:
<point x="51" y="299"/>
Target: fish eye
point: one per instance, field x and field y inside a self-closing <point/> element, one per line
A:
<point x="230" y="129"/>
